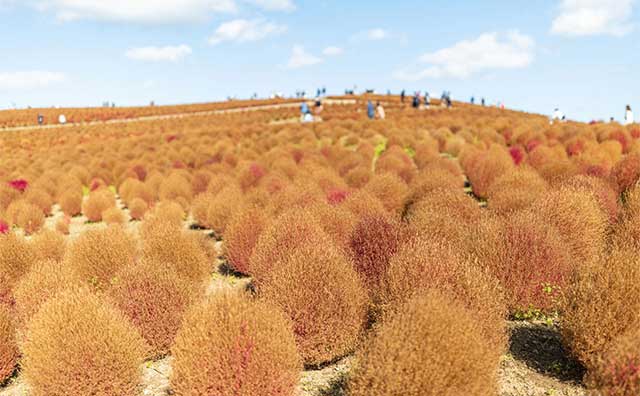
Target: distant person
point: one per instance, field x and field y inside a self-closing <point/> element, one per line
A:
<point x="62" y="119"/>
<point x="402" y="95"/>
<point x="473" y="100"/>
<point x="427" y="100"/>
<point x="318" y="107"/>
<point x="40" y="119"/>
<point x="557" y="116"/>
<point x="304" y="108"/>
<point x="308" y="117"/>
<point x="628" y="116"/>
<point x="380" y="110"/>
<point x="612" y="120"/>
<point x="371" y="112"/>
<point x="416" y="100"/>
<point x="483" y="102"/>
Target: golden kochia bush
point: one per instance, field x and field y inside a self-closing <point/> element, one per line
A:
<point x="25" y="215"/>
<point x="280" y="236"/>
<point x="579" y="219"/>
<point x="431" y="179"/>
<point x="44" y="280"/>
<point x="603" y="192"/>
<point x="601" y="304"/>
<point x="16" y="258"/>
<point x="8" y="346"/>
<point x="321" y="292"/>
<point x="516" y="190"/>
<point x="154" y="298"/>
<point x="241" y="237"/>
<point x="222" y="207"/>
<point x="96" y="203"/>
<point x="423" y="264"/>
<point x="97" y="254"/>
<point x="231" y="345"/>
<point x="138" y="208"/>
<point x="49" y="245"/>
<point x="527" y="256"/>
<point x="390" y="189"/>
<point x="78" y="344"/>
<point x="617" y="372"/>
<point x="433" y="346"/>
<point x="71" y="202"/>
<point x="487" y="167"/>
<point x="114" y="215"/>
<point x="168" y="244"/>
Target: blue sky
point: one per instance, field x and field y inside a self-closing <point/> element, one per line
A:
<point x="579" y="55"/>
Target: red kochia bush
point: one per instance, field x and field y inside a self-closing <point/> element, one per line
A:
<point x="617" y="372"/>
<point x="321" y="292"/>
<point x="241" y="237"/>
<point x="626" y="172"/>
<point x="230" y="345"/>
<point x="432" y="347"/>
<point x="8" y="346"/>
<point x="101" y="352"/>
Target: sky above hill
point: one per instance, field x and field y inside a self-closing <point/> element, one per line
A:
<point x="578" y="55"/>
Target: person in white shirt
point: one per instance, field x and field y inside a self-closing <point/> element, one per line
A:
<point x="628" y="116"/>
<point x="557" y="116"/>
<point x="62" y="119"/>
<point x="380" y="111"/>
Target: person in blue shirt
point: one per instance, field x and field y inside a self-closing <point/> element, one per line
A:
<point x="371" y="110"/>
<point x="304" y="108"/>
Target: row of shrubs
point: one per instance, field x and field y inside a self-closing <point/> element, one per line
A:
<point x="357" y="245"/>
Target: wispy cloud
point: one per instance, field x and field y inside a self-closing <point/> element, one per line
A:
<point x="159" y="54"/>
<point x="332" y="51"/>
<point x="29" y="79"/>
<point x="301" y="58"/>
<point x="490" y="51"/>
<point x="594" y="17"/>
<point x="243" y="30"/>
<point x="375" y="34"/>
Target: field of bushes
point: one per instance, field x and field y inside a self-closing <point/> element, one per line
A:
<point x="418" y="255"/>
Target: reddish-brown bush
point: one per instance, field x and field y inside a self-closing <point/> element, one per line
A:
<point x="154" y="298"/>
<point x="603" y="192"/>
<point x="44" y="280"/>
<point x="329" y="311"/>
<point x="617" y="372"/>
<point x="101" y="352"/>
<point x="138" y="208"/>
<point x="437" y="346"/>
<point x="241" y="237"/>
<point x="97" y="254"/>
<point x="8" y="346"/>
<point x="487" y="168"/>
<point x="422" y="264"/>
<point x="625" y="173"/>
<point x="390" y="189"/>
<point x="48" y="245"/>
<point x="230" y="345"/>
<point x="516" y="190"/>
<point x="167" y="244"/>
<point x="601" y="304"/>
<point x="337" y="221"/>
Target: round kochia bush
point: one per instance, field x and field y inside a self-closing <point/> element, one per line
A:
<point x="617" y="372"/>
<point x="230" y="345"/>
<point x="241" y="236"/>
<point x="98" y="254"/>
<point x="323" y="295"/>
<point x="432" y="347"/>
<point x="77" y="344"/>
<point x="8" y="347"/>
<point x="155" y="299"/>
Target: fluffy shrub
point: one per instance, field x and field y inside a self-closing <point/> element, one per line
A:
<point x="26" y="216"/>
<point x="516" y="190"/>
<point x="48" y="245"/>
<point x="362" y="203"/>
<point x="40" y="199"/>
<point x="527" y="256"/>
<point x="230" y="345"/>
<point x="168" y="210"/>
<point x="63" y="224"/>
<point x="375" y="239"/>
<point x="358" y="177"/>
<point x="432" y="347"/>
<point x="166" y="244"/>
<point x="579" y="219"/>
<point x="16" y="258"/>
<point x="601" y="304"/>
<point x="114" y="215"/>
<point x="100" y="351"/>
<point x="283" y="233"/>
<point x="432" y="179"/>
<point x="603" y="192"/>
<point x="97" y="254"/>
<point x="71" y="203"/>
<point x="322" y="294"/>
<point x="138" y="208"/>
<point x="422" y="264"/>
<point x="626" y="172"/>
<point x="390" y="189"/>
<point x="8" y="346"/>
<point x="617" y="372"/>
<point x="336" y="221"/>
<point x="96" y="203"/>
<point x="44" y="280"/>
<point x="154" y="298"/>
<point x="222" y="207"/>
<point x="241" y="237"/>
<point x="487" y="168"/>
<point x="175" y="186"/>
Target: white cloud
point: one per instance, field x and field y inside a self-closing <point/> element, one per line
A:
<point x="29" y="79"/>
<point x="332" y="51"/>
<point x="301" y="58"/>
<point x="148" y="11"/>
<point x="159" y="54"/>
<point x="593" y="17"/>
<point x="274" y="5"/>
<point x="242" y="30"/>
<point x="490" y="51"/>
<point x="376" y="34"/>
